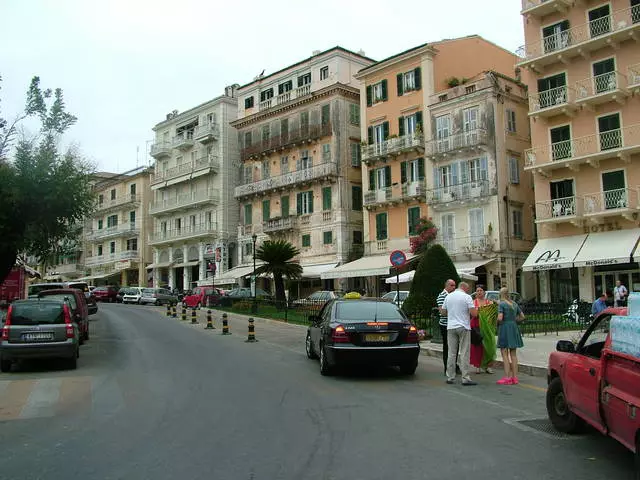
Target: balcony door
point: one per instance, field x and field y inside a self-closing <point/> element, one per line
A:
<point x="563" y="198"/>
<point x="552" y="90"/>
<point x="560" y="142"/>
<point x="609" y="132"/>
<point x="443" y="130"/>
<point x="448" y="232"/>
<point x="599" y="21"/>
<point x="470" y="125"/>
<point x="556" y="36"/>
<point x="635" y="11"/>
<point x="604" y="77"/>
<point x="476" y="227"/>
<point x="614" y="189"/>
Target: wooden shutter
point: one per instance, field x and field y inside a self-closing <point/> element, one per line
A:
<point x="387" y="176"/>
<point x="310" y="197"/>
<point x="399" y="80"/>
<point x="369" y="96"/>
<point x="299" y="203"/>
<point x="400" y="126"/>
<point x="421" y="169"/>
<point x="419" y="119"/>
<point x="403" y="172"/>
<point x="326" y="198"/>
<point x="284" y="206"/>
<point x="266" y="210"/>
<point x="370" y="135"/>
<point x="326" y="112"/>
<point x="417" y="78"/>
<point x="384" y="90"/>
<point x="372" y="180"/>
<point x="385" y="130"/>
<point x="356" y="198"/>
<point x="436" y="177"/>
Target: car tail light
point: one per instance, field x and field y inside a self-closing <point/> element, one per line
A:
<point x="412" y="335"/>
<point x="68" y="322"/>
<point x="7" y="323"/>
<point x="339" y="335"/>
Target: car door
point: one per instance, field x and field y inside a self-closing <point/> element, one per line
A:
<point x="316" y="327"/>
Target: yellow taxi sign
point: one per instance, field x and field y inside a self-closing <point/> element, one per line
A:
<point x="352" y="295"/>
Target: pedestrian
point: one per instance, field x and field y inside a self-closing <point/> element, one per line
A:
<point x="449" y="286"/>
<point x="459" y="308"/>
<point x="620" y="293"/>
<point x="478" y="351"/>
<point x="509" y="337"/>
<point x="599" y="305"/>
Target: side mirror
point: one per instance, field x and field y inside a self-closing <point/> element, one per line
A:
<point x="565" y="346"/>
<point x="314" y="319"/>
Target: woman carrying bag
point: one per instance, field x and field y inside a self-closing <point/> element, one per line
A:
<point x="509" y="337"/>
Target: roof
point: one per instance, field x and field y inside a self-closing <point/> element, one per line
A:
<point x="191" y="111"/>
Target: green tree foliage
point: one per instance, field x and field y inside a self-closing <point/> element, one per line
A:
<point x="434" y="269"/>
<point x="45" y="193"/>
<point x="278" y="257"/>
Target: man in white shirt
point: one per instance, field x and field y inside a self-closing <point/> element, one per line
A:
<point x="458" y="306"/>
<point x="620" y="294"/>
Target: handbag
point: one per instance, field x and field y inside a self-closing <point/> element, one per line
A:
<point x="476" y="336"/>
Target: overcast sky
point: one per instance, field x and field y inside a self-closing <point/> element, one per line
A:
<point x="123" y="64"/>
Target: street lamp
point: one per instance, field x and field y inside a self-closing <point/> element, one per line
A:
<point x="254" y="306"/>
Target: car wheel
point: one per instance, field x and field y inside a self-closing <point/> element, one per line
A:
<point x="638" y="456"/>
<point x="157" y="303"/>
<point x="325" y="368"/>
<point x="72" y="363"/>
<point x="558" y="410"/>
<point x="5" y="366"/>
<point x="309" y="347"/>
<point x="408" y="368"/>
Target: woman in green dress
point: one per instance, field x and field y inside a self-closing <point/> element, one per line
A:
<point x="509" y="338"/>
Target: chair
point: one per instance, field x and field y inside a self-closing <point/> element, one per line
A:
<point x="557" y="209"/>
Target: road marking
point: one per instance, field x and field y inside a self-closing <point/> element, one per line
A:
<point x="16" y="395"/>
<point x="42" y="400"/>
<point x="533" y="387"/>
<point x="75" y="393"/>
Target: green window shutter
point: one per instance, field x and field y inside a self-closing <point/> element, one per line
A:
<point x="310" y="196"/>
<point x="356" y="198"/>
<point x="419" y="118"/>
<point x="387" y="176"/>
<point x="413" y="217"/>
<point x="381" y="226"/>
<point x="326" y="112"/>
<point x="284" y="206"/>
<point x="384" y="90"/>
<point x="399" y="79"/>
<point x="369" y="96"/>
<point x="247" y="214"/>
<point x="421" y="169"/>
<point x="266" y="210"/>
<point x="327" y="238"/>
<point x="370" y="135"/>
<point x="326" y="198"/>
<point x="306" y="240"/>
<point x="385" y="130"/>
<point x="417" y="74"/>
<point x="400" y="126"/>
<point x="299" y="203"/>
<point x="372" y="180"/>
<point x="403" y="172"/>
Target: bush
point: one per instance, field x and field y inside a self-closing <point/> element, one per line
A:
<point x="434" y="269"/>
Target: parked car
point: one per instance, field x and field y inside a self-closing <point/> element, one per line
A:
<point x="36" y="288"/>
<point x="202" y="297"/>
<point x="78" y="304"/>
<point x="393" y="297"/>
<point x="317" y="298"/>
<point x="105" y="294"/>
<point x="360" y="331"/>
<point x="120" y="294"/>
<point x="158" y="296"/>
<point x="39" y="328"/>
<point x="494" y="296"/>
<point x="132" y="295"/>
<point x="245" y="292"/>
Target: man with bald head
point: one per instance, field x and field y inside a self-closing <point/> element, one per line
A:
<point x="459" y="308"/>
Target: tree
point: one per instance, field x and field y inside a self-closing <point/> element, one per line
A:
<point x="434" y="269"/>
<point x="278" y="257"/>
<point x="45" y="193"/>
<point x="426" y="233"/>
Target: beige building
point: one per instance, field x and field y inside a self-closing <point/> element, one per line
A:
<point x="194" y="213"/>
<point x="299" y="132"/>
<point x="116" y="250"/>
<point x="583" y="61"/>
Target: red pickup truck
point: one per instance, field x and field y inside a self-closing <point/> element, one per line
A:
<point x="589" y="383"/>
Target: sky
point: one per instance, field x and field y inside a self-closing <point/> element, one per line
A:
<point x="124" y="64"/>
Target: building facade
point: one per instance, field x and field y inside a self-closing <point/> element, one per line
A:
<point x="192" y="204"/>
<point x="584" y="65"/>
<point x="116" y="250"/>
<point x="299" y="134"/>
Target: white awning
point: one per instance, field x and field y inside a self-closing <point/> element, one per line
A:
<point x="554" y="253"/>
<point x="608" y="248"/>
<point x="470" y="267"/>
<point x="372" y="265"/>
<point x="192" y="263"/>
<point x="232" y="276"/>
<point x="408" y="277"/>
<point x="159" y="265"/>
<point x="314" y="271"/>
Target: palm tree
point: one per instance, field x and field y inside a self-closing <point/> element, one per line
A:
<point x="278" y="255"/>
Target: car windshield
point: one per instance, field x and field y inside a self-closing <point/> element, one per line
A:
<point x="367" y="311"/>
<point x="79" y="285"/>
<point x="148" y="291"/>
<point x="36" y="289"/>
<point x="389" y="296"/>
<point x="63" y="297"/>
<point x="131" y="291"/>
<point x="36" y="313"/>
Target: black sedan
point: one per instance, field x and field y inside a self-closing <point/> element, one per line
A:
<point x="354" y="331"/>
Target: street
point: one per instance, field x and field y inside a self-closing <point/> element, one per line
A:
<point x="156" y="398"/>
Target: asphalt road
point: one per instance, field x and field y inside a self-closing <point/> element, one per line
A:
<point x="156" y="398"/>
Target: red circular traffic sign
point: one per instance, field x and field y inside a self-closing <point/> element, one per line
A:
<point x="397" y="258"/>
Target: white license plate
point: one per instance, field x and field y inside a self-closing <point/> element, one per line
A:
<point x="34" y="337"/>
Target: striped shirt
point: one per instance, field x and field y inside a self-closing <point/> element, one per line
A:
<point x="440" y="301"/>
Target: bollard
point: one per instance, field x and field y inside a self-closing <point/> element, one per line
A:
<point x="194" y="320"/>
<point x="183" y="313"/>
<point x="225" y="325"/>
<point x="168" y="310"/>
<point x="252" y="332"/>
<point x="209" y="321"/>
<point x="174" y="314"/>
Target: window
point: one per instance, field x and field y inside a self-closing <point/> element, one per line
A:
<point x="266" y="95"/>
<point x="377" y="134"/>
<point x="210" y="119"/>
<point x="604" y="76"/>
<point x="304" y="80"/>
<point x="248" y="214"/>
<point x="412" y="171"/>
<point x="326" y="198"/>
<point x="635" y="11"/>
<point x="247" y="139"/>
<point x="552" y="90"/>
<point x="178" y="224"/>
<point x="381" y="226"/>
<point x="132" y="217"/>
<point x="285" y="87"/>
<point x="448" y="231"/>
<point x="266" y="210"/>
<point x="409" y="124"/>
<point x="556" y="36"/>
<point x="599" y="21"/>
<point x="100" y="223"/>
<point x="113" y="194"/>
<point x="356" y="198"/>
<point x="324" y="73"/>
<point x="266" y="170"/>
<point x="469" y="89"/>
<point x="266" y="133"/>
<point x="284" y="165"/>
<point x="609" y="131"/>
<point x="377" y="93"/>
<point x="325" y="114"/>
<point x="516" y="223"/>
<point x="284" y="206"/>
<point x="304" y="203"/>
<point x="379" y="178"/>
<point x="563" y="200"/>
<point x="511" y="121"/>
<point x="132" y="245"/>
<point x="304" y="121"/>
<point x="443" y="130"/>
<point x="356" y="154"/>
<point x="306" y="240"/>
<point x="354" y="114"/>
<point x="409" y="81"/>
<point x="413" y="218"/>
<point x="248" y="177"/>
<point x="284" y="129"/>
<point x="327" y="238"/>
<point x="248" y="102"/>
<point x="99" y="250"/>
<point x="514" y="171"/>
<point x="476" y="227"/>
<point x="248" y="248"/>
<point x="613" y="187"/>
<point x="192" y="222"/>
<point x="112" y="221"/>
<point x="100" y="199"/>
<point x="560" y="142"/>
<point x="163" y="227"/>
<point x="305" y="161"/>
<point x="470" y="121"/>
<point x="112" y="247"/>
<point x="326" y="152"/>
<point x="132" y="189"/>
<point x="357" y="237"/>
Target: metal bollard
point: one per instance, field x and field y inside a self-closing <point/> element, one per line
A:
<point x="194" y="319"/>
<point x="252" y="332"/>
<point x="209" y="321"/>
<point x="183" y="313"/>
<point x="168" y="310"/>
<point x="225" y="325"/>
<point x="174" y="314"/>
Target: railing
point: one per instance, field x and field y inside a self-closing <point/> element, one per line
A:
<point x="184" y="200"/>
<point x="380" y="195"/>
<point x="279" y="224"/>
<point x="184" y="232"/>
<point x="607" y="82"/>
<point x="119" y="201"/>
<point x="529" y="4"/>
<point x="585" y="32"/>
<point x="621" y="198"/>
<point x="308" y="174"/>
<point x="67" y="268"/>
<point x="160" y="148"/>
<point x="461" y="191"/>
<point x="112" y="257"/>
<point x="627" y="137"/>
<point x="393" y="145"/>
<point x="286" y="97"/>
<point x="551" y="98"/>
<point x="206" y="130"/>
<point x="124" y="229"/>
<point x="472" y="244"/>
<point x="208" y="161"/>
<point x="633" y="76"/>
<point x="183" y="139"/>
<point x="396" y="193"/>
<point x="471" y="138"/>
<point x="559" y="208"/>
<point x="292" y="137"/>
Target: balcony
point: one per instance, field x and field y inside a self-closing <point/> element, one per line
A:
<point x="608" y="87"/>
<point x="289" y="139"/>
<point x="119" y="202"/>
<point x="185" y="202"/>
<point x="66" y="268"/>
<point x="582" y="39"/>
<point x="183" y="141"/>
<point x="322" y="171"/>
<point x="541" y="8"/>
<point x="405" y="192"/>
<point x="201" y="166"/>
<point x="112" y="257"/>
<point x="393" y="146"/>
<point x="280" y="225"/>
<point x="207" y="230"/>
<point x="454" y="196"/>
<point x="457" y="143"/>
<point x="622" y="201"/>
<point x="285" y="97"/>
<point x="591" y="149"/>
<point x="633" y="78"/>
<point x="552" y="102"/>
<point x="126" y="229"/>
<point x="206" y="133"/>
<point x="477" y="244"/>
<point x="559" y="210"/>
<point x="160" y="149"/>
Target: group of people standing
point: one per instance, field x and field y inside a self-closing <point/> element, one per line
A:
<point x="460" y="314"/>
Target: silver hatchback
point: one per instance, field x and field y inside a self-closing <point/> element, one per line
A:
<point x="158" y="296"/>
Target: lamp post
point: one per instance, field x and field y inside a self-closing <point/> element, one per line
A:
<point x="254" y="306"/>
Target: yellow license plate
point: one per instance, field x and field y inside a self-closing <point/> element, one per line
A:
<point x="376" y="337"/>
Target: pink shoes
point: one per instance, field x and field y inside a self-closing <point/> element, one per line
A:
<point x="514" y="380"/>
<point x="505" y="381"/>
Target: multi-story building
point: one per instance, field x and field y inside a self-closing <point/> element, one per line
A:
<point x="194" y="213"/>
<point x="584" y="62"/>
<point x="299" y="130"/>
<point x="116" y="250"/>
<point x="445" y="142"/>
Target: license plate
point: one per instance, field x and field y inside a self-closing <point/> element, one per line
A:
<point x="34" y="337"/>
<point x="376" y="337"/>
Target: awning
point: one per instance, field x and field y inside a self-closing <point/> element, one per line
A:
<point x="192" y="263"/>
<point x="554" y="253"/>
<point x="608" y="248"/>
<point x="470" y="267"/>
<point x="372" y="265"/>
<point x="232" y="276"/>
<point x="159" y="265"/>
<point x="314" y="271"/>
<point x="408" y="277"/>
